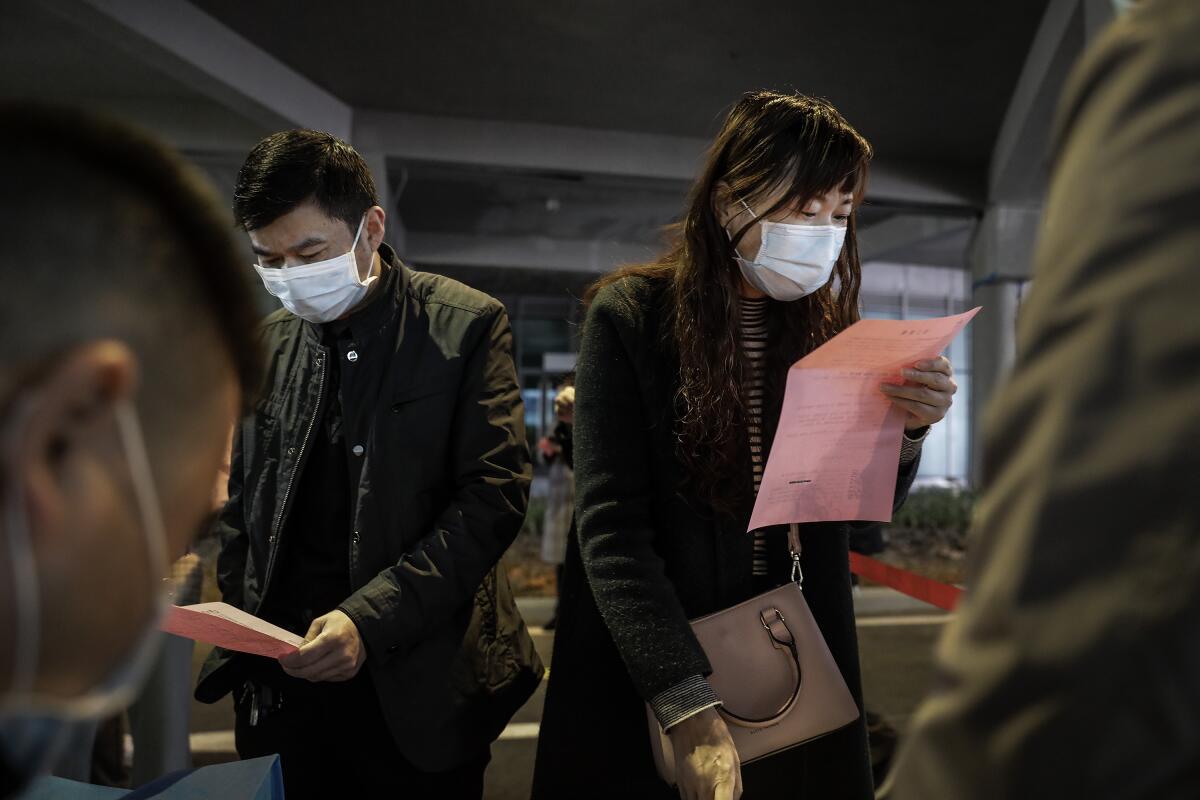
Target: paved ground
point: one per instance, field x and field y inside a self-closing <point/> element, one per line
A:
<point x="896" y="637"/>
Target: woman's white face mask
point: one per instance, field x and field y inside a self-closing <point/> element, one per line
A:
<point x="793" y="261"/>
<point x="320" y="292"/>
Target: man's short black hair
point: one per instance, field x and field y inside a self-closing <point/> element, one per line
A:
<point x="289" y="168"/>
<point x="110" y="234"/>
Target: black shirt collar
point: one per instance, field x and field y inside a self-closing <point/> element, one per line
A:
<point x="376" y="316"/>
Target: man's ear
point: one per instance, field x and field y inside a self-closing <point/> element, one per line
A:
<point x="375" y="228"/>
<point x="70" y="412"/>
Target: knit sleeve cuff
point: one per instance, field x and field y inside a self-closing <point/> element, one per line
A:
<point x="683" y="701"/>
<point x="911" y="445"/>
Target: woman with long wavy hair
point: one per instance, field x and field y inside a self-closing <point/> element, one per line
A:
<point x="679" y="390"/>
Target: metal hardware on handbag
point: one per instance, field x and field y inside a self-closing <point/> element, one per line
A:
<point x="778" y="690"/>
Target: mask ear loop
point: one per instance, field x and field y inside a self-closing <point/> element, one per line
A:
<point x="358" y="233"/>
<point x="354" y="258"/>
<point x="736" y="255"/>
<point x="133" y="442"/>
<point x="746" y="206"/>
<point x="753" y="216"/>
<point x="26" y="588"/>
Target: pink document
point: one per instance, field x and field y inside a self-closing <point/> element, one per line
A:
<point x="225" y="626"/>
<point x="837" y="449"/>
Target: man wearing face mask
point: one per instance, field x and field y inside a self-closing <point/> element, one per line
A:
<point x="122" y="318"/>
<point x="372" y="493"/>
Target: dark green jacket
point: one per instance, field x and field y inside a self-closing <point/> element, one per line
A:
<point x="1073" y="669"/>
<point x="442" y="495"/>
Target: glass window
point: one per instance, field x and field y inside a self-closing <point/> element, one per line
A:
<point x="946" y="452"/>
<point x="536" y="337"/>
<point x="533" y="408"/>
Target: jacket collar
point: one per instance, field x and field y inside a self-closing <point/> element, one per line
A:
<point x="378" y="315"/>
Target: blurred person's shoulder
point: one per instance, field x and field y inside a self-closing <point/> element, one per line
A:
<point x="1172" y="24"/>
<point x="1150" y="47"/>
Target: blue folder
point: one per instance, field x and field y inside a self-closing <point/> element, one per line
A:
<point x="253" y="779"/>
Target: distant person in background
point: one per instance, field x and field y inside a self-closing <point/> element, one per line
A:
<point x="124" y="317"/>
<point x="1072" y="669"/>
<point x="558" y="451"/>
<point x="159" y="720"/>
<point x="680" y="380"/>
<point x="371" y="495"/>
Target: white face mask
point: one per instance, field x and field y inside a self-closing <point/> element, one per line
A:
<point x="793" y="260"/>
<point x="320" y="292"/>
<point x="22" y="709"/>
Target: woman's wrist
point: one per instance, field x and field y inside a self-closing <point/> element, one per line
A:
<point x="696" y="729"/>
<point x="917" y="434"/>
<point x="683" y="701"/>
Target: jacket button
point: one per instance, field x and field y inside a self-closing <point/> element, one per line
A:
<point x="352" y="356"/>
<point x="291" y="451"/>
<point x="357" y="450"/>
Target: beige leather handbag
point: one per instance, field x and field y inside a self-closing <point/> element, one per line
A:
<point x="773" y="671"/>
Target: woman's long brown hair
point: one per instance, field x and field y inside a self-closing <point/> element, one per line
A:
<point x="788" y="148"/>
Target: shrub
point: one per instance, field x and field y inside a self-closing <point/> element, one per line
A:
<point x="942" y="513"/>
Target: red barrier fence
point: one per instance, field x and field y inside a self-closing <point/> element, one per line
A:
<point x="927" y="590"/>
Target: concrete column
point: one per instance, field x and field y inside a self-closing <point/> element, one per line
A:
<point x="377" y="162"/>
<point x="1001" y="258"/>
<point x="1001" y="261"/>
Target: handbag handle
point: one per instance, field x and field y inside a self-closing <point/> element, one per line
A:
<point x="772" y="620"/>
<point x="794" y="548"/>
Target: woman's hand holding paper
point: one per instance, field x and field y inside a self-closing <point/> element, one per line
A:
<point x="927" y="394"/>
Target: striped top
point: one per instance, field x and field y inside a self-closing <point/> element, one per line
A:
<point x="754" y="349"/>
<point x="694" y="694"/>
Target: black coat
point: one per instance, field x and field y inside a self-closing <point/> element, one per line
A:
<point x="647" y="559"/>
<point x="442" y="495"/>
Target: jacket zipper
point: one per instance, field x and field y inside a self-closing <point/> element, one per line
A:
<point x="277" y="528"/>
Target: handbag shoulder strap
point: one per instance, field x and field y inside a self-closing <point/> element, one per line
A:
<point x="795" y="549"/>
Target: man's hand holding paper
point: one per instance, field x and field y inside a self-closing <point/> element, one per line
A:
<point x="333" y="650"/>
<point x="233" y="629"/>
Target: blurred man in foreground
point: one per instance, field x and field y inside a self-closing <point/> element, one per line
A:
<point x="123" y="317"/>
<point x="1073" y="669"/>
